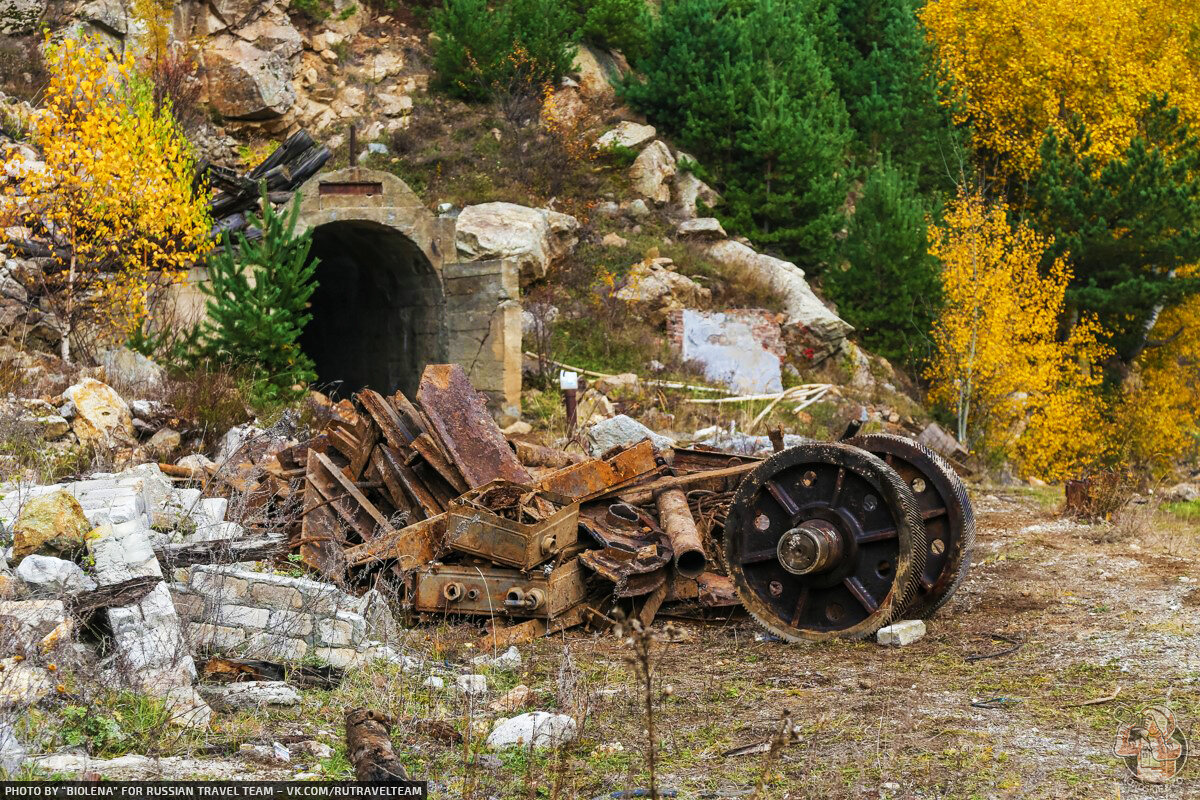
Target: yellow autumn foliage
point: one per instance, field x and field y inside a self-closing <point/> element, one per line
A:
<point x="1159" y="411"/>
<point x="1016" y="391"/>
<point x="116" y="192"/>
<point x="1027" y="65"/>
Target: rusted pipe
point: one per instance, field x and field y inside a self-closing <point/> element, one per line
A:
<point x="676" y="520"/>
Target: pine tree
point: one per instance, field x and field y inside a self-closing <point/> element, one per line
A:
<point x="258" y="302"/>
<point x="743" y="86"/>
<point x="887" y="286"/>
<point x="1126" y="226"/>
<point x="883" y="67"/>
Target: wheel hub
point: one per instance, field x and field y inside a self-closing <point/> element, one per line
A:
<point x="815" y="546"/>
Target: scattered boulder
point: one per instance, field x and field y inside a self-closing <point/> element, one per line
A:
<point x="164" y="442"/>
<point x="622" y="431"/>
<point x="24" y="684"/>
<point x="1183" y="493"/>
<point x="12" y="752"/>
<point x="101" y="418"/>
<point x="52" y="522"/>
<point x="250" y="694"/>
<point x="472" y="685"/>
<point x="198" y="463"/>
<point x="21" y="16"/>
<point x="312" y="748"/>
<point x="434" y="682"/>
<point x="594" y="406"/>
<point x="534" y="237"/>
<point x="701" y="229"/>
<point x="274" y="753"/>
<point x="48" y="575"/>
<point x="652" y="172"/>
<point x="509" y="660"/>
<point x="536" y="729"/>
<point x="627" y="134"/>
<point x="689" y="193"/>
<point x="902" y="633"/>
<point x="597" y="70"/>
<point x="613" y="240"/>
<point x="655" y="290"/>
<point x="30" y="625"/>
<point x="516" y="698"/>
<point x="246" y="83"/>
<point x="128" y="368"/>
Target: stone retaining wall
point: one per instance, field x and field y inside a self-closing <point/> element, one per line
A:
<point x="280" y="618"/>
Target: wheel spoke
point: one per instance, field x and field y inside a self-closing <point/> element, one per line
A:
<point x="837" y="487"/>
<point x="759" y="556"/>
<point x="783" y="498"/>
<point x="876" y="536"/>
<point x="860" y="593"/>
<point x="801" y="602"/>
<point x="933" y="513"/>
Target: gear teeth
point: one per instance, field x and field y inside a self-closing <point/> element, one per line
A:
<point x="938" y="472"/>
<point x="904" y="510"/>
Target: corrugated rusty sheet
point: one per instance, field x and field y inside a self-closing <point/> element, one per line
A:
<point x="462" y="423"/>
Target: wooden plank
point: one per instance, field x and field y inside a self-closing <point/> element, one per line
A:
<point x="436" y="459"/>
<point x="466" y="430"/>
<point x="349" y="488"/>
<point x="413" y="547"/>
<point x="408" y="413"/>
<point x="338" y="500"/>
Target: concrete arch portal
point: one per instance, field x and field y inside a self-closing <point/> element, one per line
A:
<point x="392" y="296"/>
<point x="377" y="310"/>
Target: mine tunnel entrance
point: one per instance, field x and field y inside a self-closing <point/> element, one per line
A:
<point x="377" y="312"/>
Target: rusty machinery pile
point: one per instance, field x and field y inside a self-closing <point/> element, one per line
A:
<point x="430" y="502"/>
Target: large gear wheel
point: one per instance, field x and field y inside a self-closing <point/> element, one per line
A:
<point x="824" y="541"/>
<point x="945" y="509"/>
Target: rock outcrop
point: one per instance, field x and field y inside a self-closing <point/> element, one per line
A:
<point x="534" y="237"/>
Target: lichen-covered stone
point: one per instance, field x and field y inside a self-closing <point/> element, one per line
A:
<point x="52" y="523"/>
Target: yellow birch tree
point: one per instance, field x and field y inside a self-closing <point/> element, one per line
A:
<point x="1015" y="389"/>
<point x="116" y="195"/>
<point x="1027" y="65"/>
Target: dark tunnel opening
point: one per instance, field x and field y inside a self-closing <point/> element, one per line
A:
<point x="377" y="312"/>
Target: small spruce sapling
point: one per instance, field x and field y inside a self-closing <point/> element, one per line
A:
<point x="258" y="303"/>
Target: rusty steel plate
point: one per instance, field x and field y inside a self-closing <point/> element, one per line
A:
<point x="823" y="541"/>
<point x="461" y="420"/>
<point x="945" y="509"/>
<point x="498" y="591"/>
<point x="594" y="477"/>
<point x="480" y="531"/>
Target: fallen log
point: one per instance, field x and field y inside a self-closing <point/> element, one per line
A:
<point x="220" y="551"/>
<point x="369" y="747"/>
<point x="126" y="593"/>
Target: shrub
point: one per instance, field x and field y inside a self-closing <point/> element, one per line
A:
<point x="257" y="323"/>
<point x="481" y="49"/>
